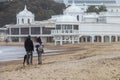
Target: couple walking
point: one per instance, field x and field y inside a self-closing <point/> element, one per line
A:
<point x="29" y="47"/>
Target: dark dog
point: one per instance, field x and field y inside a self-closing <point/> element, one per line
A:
<point x="25" y="59"/>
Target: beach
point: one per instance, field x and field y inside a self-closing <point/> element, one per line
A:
<point x="84" y="61"/>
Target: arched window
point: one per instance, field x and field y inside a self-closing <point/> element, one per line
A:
<point x="22" y="20"/>
<point x="28" y="21"/>
<point x="78" y="17"/>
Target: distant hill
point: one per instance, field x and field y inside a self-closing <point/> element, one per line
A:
<point x="43" y="9"/>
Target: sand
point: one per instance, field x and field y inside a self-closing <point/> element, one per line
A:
<point x="84" y="61"/>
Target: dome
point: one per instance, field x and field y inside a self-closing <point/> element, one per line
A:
<point x="25" y="12"/>
<point x="25" y="17"/>
<point x="73" y="9"/>
<point x="66" y="18"/>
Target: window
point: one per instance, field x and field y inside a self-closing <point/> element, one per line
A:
<point x="28" y="21"/>
<point x="23" y="21"/>
<point x="35" y="30"/>
<point x="46" y="30"/>
<point x="14" y="31"/>
<point x="75" y="27"/>
<point x="58" y="26"/>
<point x="24" y="30"/>
<point x="78" y="17"/>
<point x="69" y="27"/>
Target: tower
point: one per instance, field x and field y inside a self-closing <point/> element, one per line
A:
<point x="25" y="17"/>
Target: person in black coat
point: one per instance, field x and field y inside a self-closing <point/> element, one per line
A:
<point x="29" y="47"/>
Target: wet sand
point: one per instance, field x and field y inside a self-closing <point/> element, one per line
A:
<point x="84" y="61"/>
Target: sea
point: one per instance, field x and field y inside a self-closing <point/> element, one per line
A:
<point x="9" y="53"/>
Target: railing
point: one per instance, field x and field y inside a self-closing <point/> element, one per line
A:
<point x="56" y="32"/>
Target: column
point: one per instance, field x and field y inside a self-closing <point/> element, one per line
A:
<point x="116" y="38"/>
<point x="72" y="39"/>
<point x="10" y="38"/>
<point x="110" y="39"/>
<point x="82" y="39"/>
<point x="61" y="41"/>
<point x="85" y="38"/>
<point x="40" y="30"/>
<point x="19" y="39"/>
<point x="102" y="39"/>
<point x="19" y="34"/>
<point x="55" y="42"/>
<point x="92" y="38"/>
<point x="69" y="39"/>
<point x="10" y="31"/>
<point x="19" y="30"/>
<point x="29" y="30"/>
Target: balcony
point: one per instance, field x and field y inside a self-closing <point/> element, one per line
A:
<point x="64" y="32"/>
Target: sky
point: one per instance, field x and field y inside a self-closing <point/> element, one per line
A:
<point x="118" y="1"/>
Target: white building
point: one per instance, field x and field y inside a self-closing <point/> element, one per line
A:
<point x="74" y="26"/>
<point x="90" y="27"/>
<point x="26" y="25"/>
<point x="89" y="2"/>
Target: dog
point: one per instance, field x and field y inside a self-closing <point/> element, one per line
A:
<point x="25" y="59"/>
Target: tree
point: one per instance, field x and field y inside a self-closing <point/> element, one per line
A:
<point x="92" y="9"/>
<point x="101" y="8"/>
<point x="43" y="9"/>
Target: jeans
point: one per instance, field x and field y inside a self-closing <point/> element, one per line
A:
<point x="39" y="57"/>
<point x="29" y="57"/>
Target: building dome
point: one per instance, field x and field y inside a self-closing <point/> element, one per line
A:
<point x="73" y="9"/>
<point x="25" y="12"/>
<point x="25" y="17"/>
<point x="66" y="18"/>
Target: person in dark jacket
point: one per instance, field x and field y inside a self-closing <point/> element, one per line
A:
<point x="29" y="47"/>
